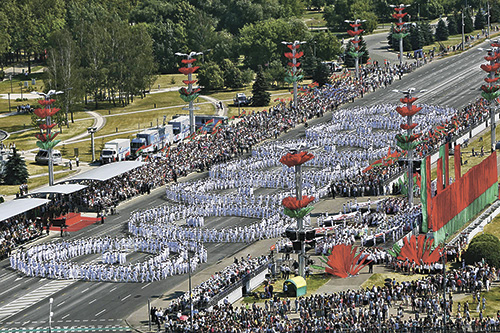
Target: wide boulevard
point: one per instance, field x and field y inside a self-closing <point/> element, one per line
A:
<point x="24" y="302"/>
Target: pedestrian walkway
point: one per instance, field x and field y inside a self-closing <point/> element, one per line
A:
<point x="32" y="298"/>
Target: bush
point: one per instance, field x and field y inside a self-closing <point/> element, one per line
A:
<point x="485" y="246"/>
<point x="485" y="238"/>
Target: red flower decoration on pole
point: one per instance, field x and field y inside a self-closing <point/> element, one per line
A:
<point x="406" y="111"/>
<point x="291" y="160"/>
<point x="294" y="204"/>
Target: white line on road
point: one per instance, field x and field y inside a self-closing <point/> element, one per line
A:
<point x="85" y="290"/>
<point x="95" y="299"/>
<point x="126" y="297"/>
<point x="99" y="313"/>
<point x="58" y="305"/>
<point x="146" y="285"/>
<point x="112" y="289"/>
<point x="65" y="316"/>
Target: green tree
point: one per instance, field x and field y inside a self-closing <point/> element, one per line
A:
<point x="276" y="73"/>
<point x="417" y="38"/>
<point x="441" y="31"/>
<point x="349" y="61"/>
<point x="232" y="75"/>
<point x="486" y="248"/>
<point x="15" y="170"/>
<point x="261" y="97"/>
<point x="247" y="76"/>
<point x="324" y="45"/>
<point x="468" y="25"/>
<point x="261" y="43"/>
<point x="321" y="74"/>
<point x="480" y="20"/>
<point x="4" y="40"/>
<point x="426" y="30"/>
<point x="336" y="15"/>
<point x="63" y="69"/>
<point x="452" y="25"/>
<point x="211" y="77"/>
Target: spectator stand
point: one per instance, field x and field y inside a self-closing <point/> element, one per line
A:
<point x="18" y="223"/>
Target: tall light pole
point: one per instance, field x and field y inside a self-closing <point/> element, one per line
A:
<point x="491" y="92"/>
<point x="488" y="19"/>
<point x="408" y="142"/>
<point x="189" y="94"/>
<point x="92" y="131"/>
<point x="399" y="31"/>
<point x="49" y="142"/>
<point x="444" y="283"/>
<point x="294" y="76"/>
<point x="463" y="30"/>
<point x="51" y="300"/>
<point x="356" y="54"/>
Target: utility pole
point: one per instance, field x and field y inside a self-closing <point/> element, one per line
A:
<point x="399" y="31"/>
<point x="488" y="19"/>
<point x="463" y="30"/>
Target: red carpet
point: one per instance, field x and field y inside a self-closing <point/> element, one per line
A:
<point x="74" y="222"/>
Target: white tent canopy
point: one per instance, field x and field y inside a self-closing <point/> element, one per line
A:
<point x="107" y="171"/>
<point x="60" y="189"/>
<point x="15" y="207"/>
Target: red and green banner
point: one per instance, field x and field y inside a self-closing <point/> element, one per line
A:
<point x="463" y="199"/>
<point x="345" y="261"/>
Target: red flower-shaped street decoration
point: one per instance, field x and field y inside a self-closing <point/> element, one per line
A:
<point x="189" y="82"/>
<point x="344" y="261"/>
<point x="291" y="160"/>
<point x="489" y="89"/>
<point x="354" y="25"/>
<point x="405" y="112"/>
<point x="291" y="64"/>
<point x="42" y="113"/>
<point x="353" y="33"/>
<point x="46" y="127"/>
<point x="297" y="55"/>
<point x="491" y="80"/>
<point x="407" y="100"/>
<point x="188" y="61"/>
<point x="46" y="137"/>
<point x="294" y="204"/>
<point x="45" y="102"/>
<point x="493" y="57"/>
<point x="419" y="250"/>
<point x="490" y="68"/>
<point x="293" y="47"/>
<point x="398" y="16"/>
<point x="407" y="127"/>
<point x="188" y="70"/>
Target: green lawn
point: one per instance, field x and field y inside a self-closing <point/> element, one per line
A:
<point x="492" y="303"/>
<point x="314" y="18"/>
<point x="493" y="227"/>
<point x="314" y="281"/>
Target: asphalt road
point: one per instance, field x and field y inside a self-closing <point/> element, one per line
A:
<point x="24" y="302"/>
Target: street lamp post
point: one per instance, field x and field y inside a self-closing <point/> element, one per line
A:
<point x="463" y="30"/>
<point x="408" y="142"/>
<point x="9" y="101"/>
<point x="51" y="300"/>
<point x="10" y="78"/>
<point x="189" y="94"/>
<point x="355" y="33"/>
<point x="491" y="91"/>
<point x="444" y="284"/>
<point x="489" y="19"/>
<point x="49" y="125"/>
<point x="294" y="76"/>
<point x="399" y="30"/>
<point x="92" y="131"/>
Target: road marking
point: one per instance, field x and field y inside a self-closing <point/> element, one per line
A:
<point x="58" y="305"/>
<point x="84" y="290"/>
<point x="19" y="278"/>
<point x="10" y="289"/>
<point x="126" y="297"/>
<point x="146" y="285"/>
<point x="32" y="298"/>
<point x="112" y="289"/>
<point x="66" y="316"/>
<point x="95" y="299"/>
<point x="99" y="313"/>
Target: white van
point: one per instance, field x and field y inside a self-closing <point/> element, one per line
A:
<point x="42" y="157"/>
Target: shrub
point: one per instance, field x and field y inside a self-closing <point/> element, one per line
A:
<point x="485" y="246"/>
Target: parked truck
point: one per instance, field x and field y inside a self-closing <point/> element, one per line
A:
<point x="180" y="127"/>
<point x="115" y="150"/>
<point x="151" y="140"/>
